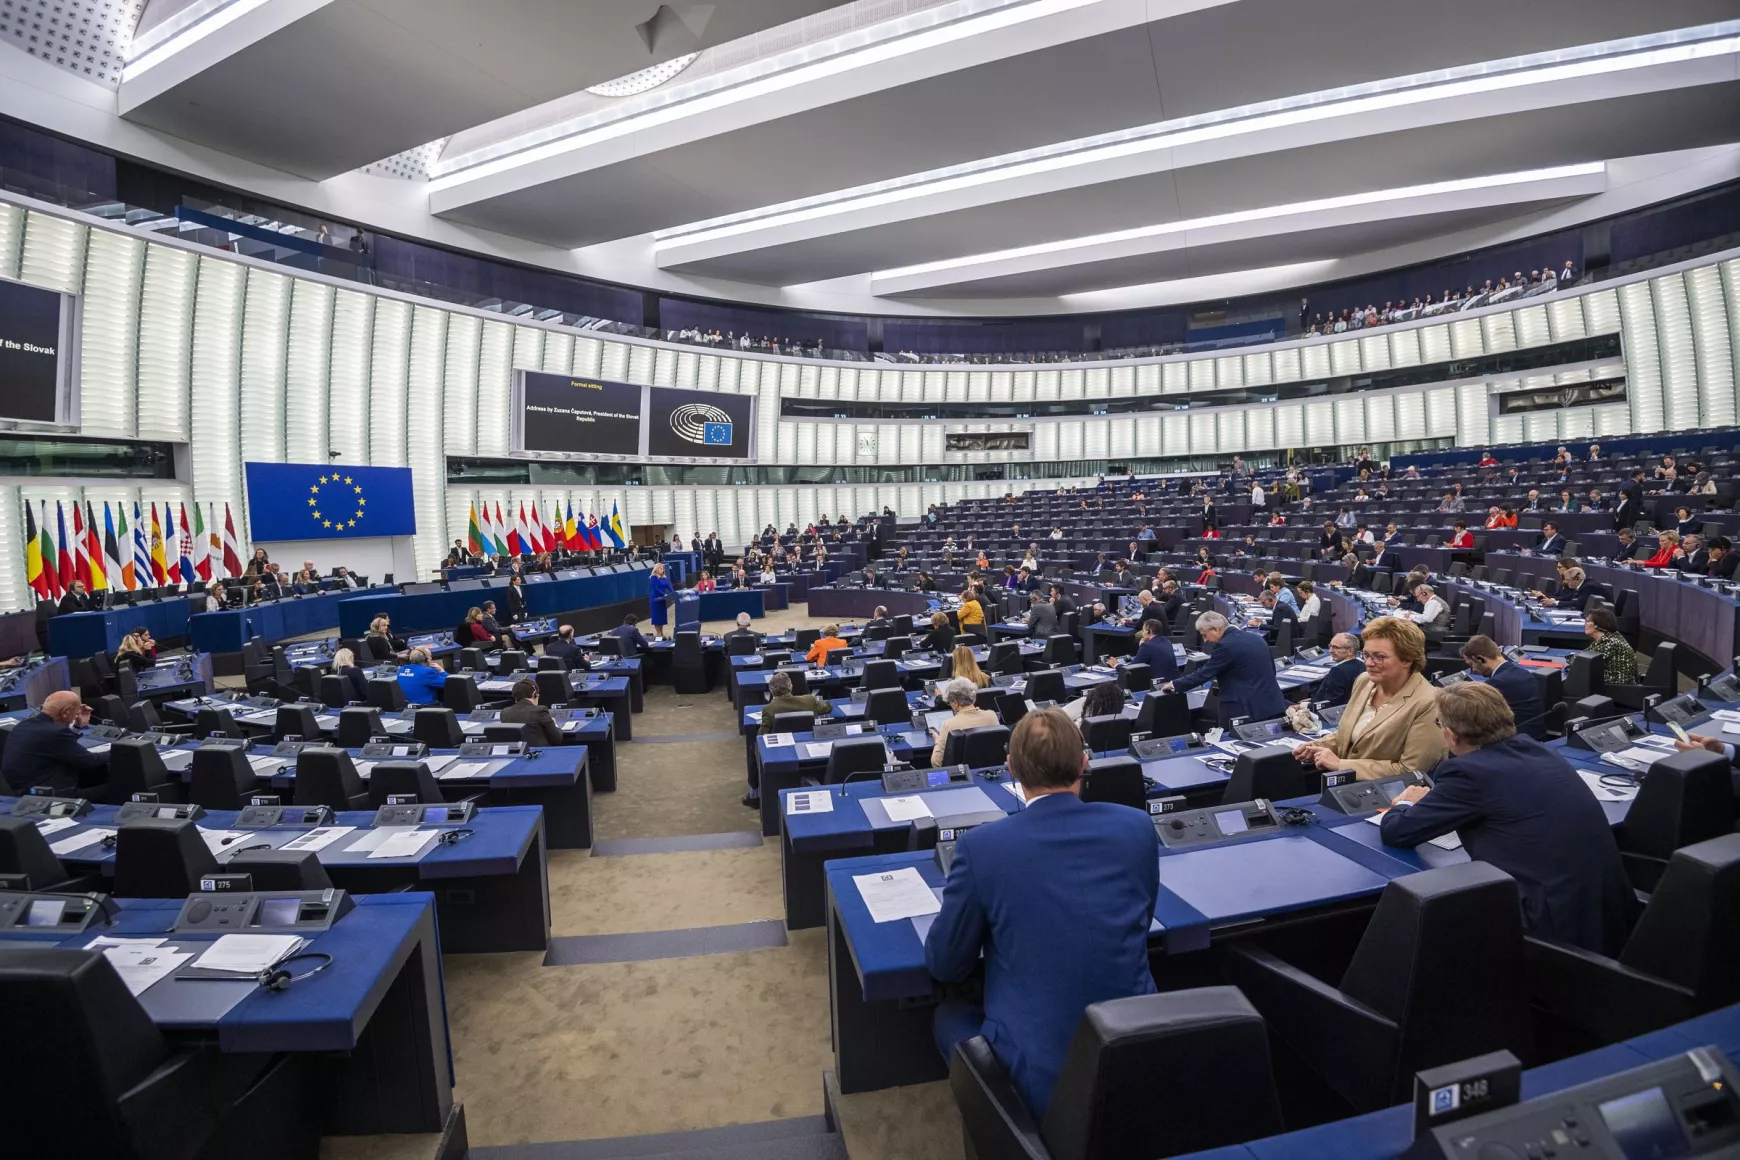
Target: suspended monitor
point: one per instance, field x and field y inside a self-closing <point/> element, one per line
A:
<point x="578" y="415"/>
<point x="35" y="354"/>
<point x="699" y="424"/>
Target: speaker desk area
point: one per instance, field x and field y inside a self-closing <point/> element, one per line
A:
<point x="490" y="886"/>
<point x="569" y="590"/>
<point x="374" y="1023"/>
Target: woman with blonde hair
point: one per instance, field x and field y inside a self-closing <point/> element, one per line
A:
<point x="967" y="668"/>
<point x="1390" y="723"/>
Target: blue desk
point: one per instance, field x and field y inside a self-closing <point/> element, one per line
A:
<point x="695" y="607"/>
<point x="79" y="634"/>
<point x="28" y="685"/>
<point x="274" y="620"/>
<point x="377" y="1016"/>
<point x="434" y="611"/>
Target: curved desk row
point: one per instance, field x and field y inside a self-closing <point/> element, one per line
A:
<point x="433" y="611"/>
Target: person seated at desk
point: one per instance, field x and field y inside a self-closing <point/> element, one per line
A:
<point x="356" y="683"/>
<point x="941" y="637"/>
<point x="341" y="578"/>
<point x="960" y="695"/>
<point x="1345" y="667"/>
<point x="1102" y="700"/>
<point x="971" y="617"/>
<point x="878" y="620"/>
<point x="1574" y="591"/>
<point x="1695" y="556"/>
<point x="307" y="578"/>
<point x="44" y="750"/>
<point x="1723" y="559"/>
<point x="1461" y="538"/>
<point x="1154" y="649"/>
<point x="383" y="626"/>
<point x="1057" y="899"/>
<point x="563" y="647"/>
<point x="742" y="630"/>
<point x="1668" y="553"/>
<point x="966" y="668"/>
<point x="1619" y="662"/>
<point x="535" y="722"/>
<point x="75" y="600"/>
<point x="829" y="640"/>
<point x="421" y="678"/>
<point x="633" y="643"/>
<point x="704" y="583"/>
<point x="1685" y="523"/>
<point x="1244" y="667"/>
<point x="1495" y="517"/>
<point x="925" y="582"/>
<point x="1434" y="609"/>
<point x="472" y="634"/>
<point x="1522" y="692"/>
<point x="1551" y="543"/>
<point x="1388" y="724"/>
<point x="137" y="649"/>
<point x="496" y="630"/>
<point x="1041" y="618"/>
<point x="1521" y="807"/>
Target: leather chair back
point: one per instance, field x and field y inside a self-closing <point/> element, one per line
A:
<point x="1117" y="780"/>
<point x="990" y="697"/>
<point x="282" y="869"/>
<point x="548" y="664"/>
<point x="437" y="728"/>
<point x="688" y="649"/>
<point x="851" y="755"/>
<point x="1163" y="715"/>
<point x="1688" y="934"/>
<point x="1664" y="666"/>
<point x="471" y="660"/>
<point x="743" y="646"/>
<point x="1046" y="685"/>
<point x="142" y="717"/>
<point x="135" y="766"/>
<point x="221" y="777"/>
<point x="213" y="720"/>
<point x="385" y="693"/>
<point x="328" y="777"/>
<point x="804" y="638"/>
<point x="1270" y="772"/>
<point x="887" y="707"/>
<point x="896" y="647"/>
<point x="511" y="661"/>
<point x="402" y="777"/>
<point x="980" y="748"/>
<point x="1210" y="1043"/>
<point x="111" y="709"/>
<point x="23" y="850"/>
<point x="1135" y="677"/>
<point x="1104" y="734"/>
<point x="459" y="692"/>
<point x="1685" y="797"/>
<point x="553" y="689"/>
<point x="160" y="858"/>
<point x="1059" y="650"/>
<point x="800" y="681"/>
<point x="1005" y="657"/>
<point x="356" y="724"/>
<point x="794" y="722"/>
<point x="1443" y="960"/>
<point x="376" y="647"/>
<point x="880" y="674"/>
<point x="334" y="691"/>
<point x="296" y="721"/>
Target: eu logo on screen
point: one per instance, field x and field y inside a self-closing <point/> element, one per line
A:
<point x="717" y="434"/>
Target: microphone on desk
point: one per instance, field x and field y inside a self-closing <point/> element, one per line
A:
<point x="856" y="773"/>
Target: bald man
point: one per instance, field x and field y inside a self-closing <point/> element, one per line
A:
<point x="44" y="750"/>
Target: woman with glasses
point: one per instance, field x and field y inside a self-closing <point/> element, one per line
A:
<point x="1388" y="726"/>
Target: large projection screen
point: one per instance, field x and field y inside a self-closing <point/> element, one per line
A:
<point x="568" y="415"/>
<point x="36" y="355"/>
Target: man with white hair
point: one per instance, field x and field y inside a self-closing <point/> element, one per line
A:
<point x="43" y="749"/>
<point x="743" y="629"/>
<point x="1335" y="688"/>
<point x="961" y="696"/>
<point x="1243" y="666"/>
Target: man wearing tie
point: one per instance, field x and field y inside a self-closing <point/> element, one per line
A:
<point x="1552" y="543"/>
<point x="1522" y="692"/>
<point x="344" y="578"/>
<point x="1243" y="665"/>
<point x="75" y="600"/>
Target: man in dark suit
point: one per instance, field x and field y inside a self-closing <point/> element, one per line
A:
<point x="633" y="642"/>
<point x="42" y="749"/>
<point x="1381" y="560"/>
<point x="342" y="578"/>
<point x="1697" y="556"/>
<point x="1171" y="601"/>
<point x="1346" y="666"/>
<point x="75" y="600"/>
<point x="1061" y="602"/>
<point x="1723" y="558"/>
<point x="1057" y="899"/>
<point x="1521" y="691"/>
<point x="1552" y="543"/>
<point x="1041" y="619"/>
<point x="562" y="645"/>
<point x="1155" y="650"/>
<point x="1630" y="507"/>
<point x="1243" y="665"/>
<point x="1521" y="807"/>
<point x="1574" y="591"/>
<point x="536" y="724"/>
<point x="872" y="580"/>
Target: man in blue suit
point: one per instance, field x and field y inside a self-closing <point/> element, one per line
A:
<point x="1552" y="543"/>
<point x="1335" y="688"/>
<point x="1522" y="692"/>
<point x="1155" y="650"/>
<point x="1058" y="898"/>
<point x="1521" y="807"/>
<point x="1243" y="665"/>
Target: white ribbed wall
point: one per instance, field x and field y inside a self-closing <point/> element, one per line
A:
<point x="250" y="362"/>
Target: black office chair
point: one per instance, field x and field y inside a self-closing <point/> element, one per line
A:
<point x="1210" y="1043"/>
<point x="296" y="721"/>
<point x="1682" y="959"/>
<point x="221" y="778"/>
<point x="609" y="646"/>
<point x="24" y="853"/>
<point x="282" y="869"/>
<point x="399" y="778"/>
<point x="1005" y="657"/>
<point x="509" y="733"/>
<point x="471" y="661"/>
<point x="135" y="766"/>
<point x="1046" y="685"/>
<point x="1163" y="715"/>
<point x="1117" y="780"/>
<point x="689" y="671"/>
<point x="745" y="646"/>
<point x="887" y="707"/>
<point x="981" y="748"/>
<point x="334" y="691"/>
<point x="160" y="858"/>
<point x="386" y="694"/>
<point x="1059" y="650"/>
<point x="549" y="664"/>
<point x="880" y="674"/>
<point x="220" y="721"/>
<point x="1436" y="978"/>
<point x="357" y="724"/>
<point x="794" y="722"/>
<point x="800" y="681"/>
<point x="1685" y="797"/>
<point x="833" y="658"/>
<point x="1011" y="708"/>
<point x="110" y="710"/>
<point x="377" y="648"/>
<point x="142" y="717"/>
<point x="102" y="1080"/>
<point x="1107" y="733"/>
<point x="437" y="728"/>
<point x="902" y="625"/>
<point x="851" y="755"/>
<point x="327" y="777"/>
<point x="1271" y="772"/>
<point x="511" y="661"/>
<point x="553" y="689"/>
<point x="459" y="692"/>
<point x="990" y="697"/>
<point x="1585" y="675"/>
<point x="1659" y="680"/>
<point x="1135" y="677"/>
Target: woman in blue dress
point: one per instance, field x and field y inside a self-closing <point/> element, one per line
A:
<point x="658" y="590"/>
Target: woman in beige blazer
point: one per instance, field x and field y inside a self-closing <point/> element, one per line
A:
<point x="1390" y="723"/>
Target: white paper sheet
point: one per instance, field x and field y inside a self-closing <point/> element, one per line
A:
<point x="460" y="769"/>
<point x="176" y="759"/>
<point x="440" y="761"/>
<point x="905" y="809"/>
<point x="1606" y="793"/>
<point x="108" y="940"/>
<point x="217" y="841"/>
<point x="896" y="894"/>
<point x="80" y="840"/>
<point x="103" y="748"/>
<point x="815" y="749"/>
<point x="1647" y="755"/>
<point x="1450" y="841"/>
<point x="141" y="966"/>
<point x="814" y="801"/>
<point x="1014" y="791"/>
<point x="247" y="954"/>
<point x="49" y="826"/>
<point x="1725" y="714"/>
<point x="264" y="764"/>
<point x="373" y="839"/>
<point x="405" y="844"/>
<point x="318" y="838"/>
<point x="777" y="739"/>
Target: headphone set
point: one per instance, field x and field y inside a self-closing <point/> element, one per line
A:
<point x="279" y="976"/>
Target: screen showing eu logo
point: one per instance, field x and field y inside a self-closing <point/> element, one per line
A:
<point x="320" y="501"/>
<point x="717" y="434"/>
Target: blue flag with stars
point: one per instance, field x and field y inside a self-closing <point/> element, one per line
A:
<point x="325" y="501"/>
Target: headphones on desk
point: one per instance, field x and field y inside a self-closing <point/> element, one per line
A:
<point x="278" y="976"/>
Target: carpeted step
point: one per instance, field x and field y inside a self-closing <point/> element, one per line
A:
<point x="804" y="1138"/>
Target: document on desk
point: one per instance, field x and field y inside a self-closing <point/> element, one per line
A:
<point x="248" y="954"/>
<point x="318" y="838"/>
<point x="176" y="759"/>
<point x="1309" y="672"/>
<point x="1450" y="841"/>
<point x="141" y="966"/>
<point x="896" y="894"/>
<point x="405" y="844"/>
<point x="217" y="841"/>
<point x="775" y="740"/>
<point x="753" y="715"/>
<point x="80" y="840"/>
<point x="905" y="809"/>
<point x="439" y="761"/>
<point x="49" y="826"/>
<point x="103" y="748"/>
<point x="1726" y="715"/>
<point x="463" y="769"/>
<point x="1604" y="792"/>
<point x="818" y="748"/>
<point x="265" y="765"/>
<point x="810" y="801"/>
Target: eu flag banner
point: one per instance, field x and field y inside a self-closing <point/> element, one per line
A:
<point x="325" y="501"/>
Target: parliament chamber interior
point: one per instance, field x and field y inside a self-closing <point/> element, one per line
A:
<point x="938" y="580"/>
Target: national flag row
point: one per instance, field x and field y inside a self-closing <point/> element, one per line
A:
<point x="523" y="535"/>
<point x="152" y="553"/>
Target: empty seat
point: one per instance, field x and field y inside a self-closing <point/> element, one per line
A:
<point x="880" y="674"/>
<point x="387" y="694"/>
<point x="327" y="777"/>
<point x="437" y="728"/>
<point x="1107" y="733"/>
<point x="794" y="722"/>
<point x="853" y="755"/>
<point x="980" y="748"/>
<point x="222" y="722"/>
<point x="1045" y="685"/>
<point x="221" y="777"/>
<point x="296" y="721"/>
<point x="548" y="664"/>
<point x="334" y="691"/>
<point x="1271" y="772"/>
<point x="24" y="853"/>
<point x="1117" y="780"/>
<point x="1005" y="657"/>
<point x="553" y="689"/>
<point x="471" y="660"/>
<point x="135" y="766"/>
<point x="1059" y="650"/>
<point x="356" y="725"/>
<point x="401" y="778"/>
<point x="1135" y="677"/>
<point x="887" y="707"/>
<point x="459" y="692"/>
<point x="511" y="661"/>
<point x="160" y="858"/>
<point x="511" y="732"/>
<point x="142" y="717"/>
<point x="282" y="869"/>
<point x="1685" y="797"/>
<point x="1163" y="715"/>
